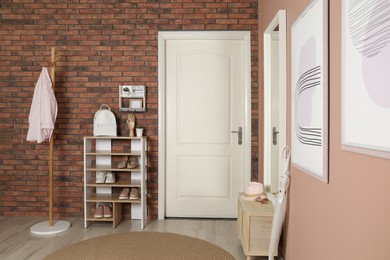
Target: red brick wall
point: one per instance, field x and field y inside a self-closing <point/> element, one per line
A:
<point x="104" y="43"/>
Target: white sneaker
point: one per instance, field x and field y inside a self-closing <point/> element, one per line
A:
<point x="100" y="177"/>
<point x="110" y="177"/>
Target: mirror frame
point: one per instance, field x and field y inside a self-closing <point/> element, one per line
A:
<point x="278" y="20"/>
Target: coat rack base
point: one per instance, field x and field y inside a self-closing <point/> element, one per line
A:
<point x="43" y="228"/>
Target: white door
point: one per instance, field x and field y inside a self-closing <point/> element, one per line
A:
<point x="275" y="129"/>
<point x="206" y="89"/>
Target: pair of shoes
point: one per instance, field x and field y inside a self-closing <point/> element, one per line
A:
<point x="127" y="194"/>
<point x="105" y="177"/>
<point x="130" y="163"/>
<point x="103" y="210"/>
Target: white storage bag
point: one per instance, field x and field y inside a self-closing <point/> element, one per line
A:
<point x="104" y="123"/>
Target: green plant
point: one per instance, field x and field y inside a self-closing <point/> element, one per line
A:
<point x="139" y="127"/>
<point x="126" y="89"/>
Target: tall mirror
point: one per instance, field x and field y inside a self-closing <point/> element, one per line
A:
<point x="274" y="101"/>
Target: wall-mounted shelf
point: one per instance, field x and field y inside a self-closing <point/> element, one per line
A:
<point x="132" y="98"/>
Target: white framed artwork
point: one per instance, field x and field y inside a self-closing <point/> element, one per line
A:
<point x="309" y="90"/>
<point x="366" y="77"/>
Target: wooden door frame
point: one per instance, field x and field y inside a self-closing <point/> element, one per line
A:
<point x="278" y="20"/>
<point x="163" y="36"/>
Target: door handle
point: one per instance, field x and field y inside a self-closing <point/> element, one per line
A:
<point x="275" y="136"/>
<point x="239" y="132"/>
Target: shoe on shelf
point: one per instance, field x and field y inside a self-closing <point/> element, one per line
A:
<point x="99" y="211"/>
<point x="100" y="177"/>
<point x="107" y="211"/>
<point x="134" y="194"/>
<point x="124" y="195"/>
<point x="123" y="163"/>
<point x="132" y="162"/>
<point x="110" y="177"/>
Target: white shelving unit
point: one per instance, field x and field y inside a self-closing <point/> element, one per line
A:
<point x="102" y="154"/>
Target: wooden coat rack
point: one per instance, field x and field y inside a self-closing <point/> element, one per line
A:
<point x="54" y="58"/>
<point x="48" y="227"/>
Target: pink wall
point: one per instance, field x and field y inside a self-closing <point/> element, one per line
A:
<point x="349" y="218"/>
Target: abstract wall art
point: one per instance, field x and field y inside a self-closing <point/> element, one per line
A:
<point x="366" y="77"/>
<point x="309" y="90"/>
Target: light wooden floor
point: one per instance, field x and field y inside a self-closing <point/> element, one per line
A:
<point x="16" y="241"/>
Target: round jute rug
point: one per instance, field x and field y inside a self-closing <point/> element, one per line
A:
<point x="144" y="246"/>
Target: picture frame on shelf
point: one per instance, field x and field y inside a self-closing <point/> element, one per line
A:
<point x="135" y="103"/>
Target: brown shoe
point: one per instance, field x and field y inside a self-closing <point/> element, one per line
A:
<point x="107" y="211"/>
<point x="123" y="163"/>
<point x="99" y="211"/>
<point x="124" y="195"/>
<point x="134" y="194"/>
<point x="132" y="162"/>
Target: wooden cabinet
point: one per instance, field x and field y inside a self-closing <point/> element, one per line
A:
<point x="254" y="225"/>
<point x="102" y="155"/>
